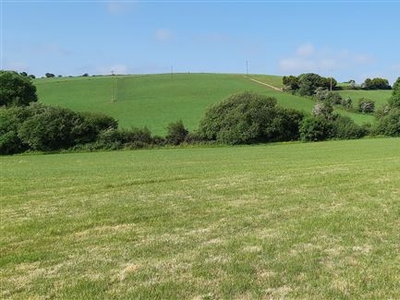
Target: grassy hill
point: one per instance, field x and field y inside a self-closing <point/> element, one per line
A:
<point x="289" y="220"/>
<point x="156" y="100"/>
<point x="379" y="96"/>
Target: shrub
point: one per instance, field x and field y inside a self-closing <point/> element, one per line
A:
<point x="366" y="106"/>
<point x="53" y="128"/>
<point x="50" y="130"/>
<point x="322" y="109"/>
<point x="11" y="120"/>
<point x="247" y="118"/>
<point x="136" y="138"/>
<point x="114" y="139"/>
<point x="347" y="103"/>
<point x="344" y="128"/>
<point x="335" y="98"/>
<point x="394" y="101"/>
<point x="321" y="94"/>
<point x="389" y="124"/>
<point x="110" y="139"/>
<point x="176" y="133"/>
<point x="90" y="125"/>
<point x="316" y="128"/>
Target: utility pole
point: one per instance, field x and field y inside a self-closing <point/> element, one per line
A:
<point x="172" y="72"/>
<point x="247" y="68"/>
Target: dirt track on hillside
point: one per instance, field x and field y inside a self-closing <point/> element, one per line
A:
<point x="266" y="84"/>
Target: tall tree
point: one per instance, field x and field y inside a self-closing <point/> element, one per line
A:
<point x="376" y="84"/>
<point x="16" y="89"/>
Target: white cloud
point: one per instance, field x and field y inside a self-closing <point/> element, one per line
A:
<point x="363" y="59"/>
<point x="305" y="50"/>
<point x="308" y="58"/>
<point x="117" y="7"/>
<point x="163" y="35"/>
<point x="296" y="64"/>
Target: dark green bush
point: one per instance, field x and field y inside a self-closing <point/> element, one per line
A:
<point x="316" y="128"/>
<point x="394" y="101"/>
<point x="51" y="130"/>
<point x="134" y="138"/>
<point x="247" y="118"/>
<point x="110" y="139"/>
<point x="46" y="128"/>
<point x="389" y="124"/>
<point x="325" y="124"/>
<point x="11" y="120"/>
<point x="176" y="133"/>
<point x="344" y="128"/>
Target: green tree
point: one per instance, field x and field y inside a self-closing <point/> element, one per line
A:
<point x="376" y="84"/>
<point x="291" y="83"/>
<point x="395" y="99"/>
<point x="16" y="89"/>
<point x="389" y="116"/>
<point x="389" y="124"/>
<point x="309" y="82"/>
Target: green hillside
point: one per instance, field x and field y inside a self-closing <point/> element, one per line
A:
<point x="156" y="100"/>
<point x="379" y="96"/>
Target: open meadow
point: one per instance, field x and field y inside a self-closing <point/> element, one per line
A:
<point x="379" y="96"/>
<point x="288" y="220"/>
<point x="157" y="100"/>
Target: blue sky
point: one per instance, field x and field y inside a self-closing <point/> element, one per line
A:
<point x="343" y="39"/>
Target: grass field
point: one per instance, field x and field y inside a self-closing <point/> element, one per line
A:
<point x="379" y="96"/>
<point x="157" y="100"/>
<point x="204" y="223"/>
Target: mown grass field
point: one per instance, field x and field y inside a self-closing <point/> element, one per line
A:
<point x="157" y="100"/>
<point x="291" y="220"/>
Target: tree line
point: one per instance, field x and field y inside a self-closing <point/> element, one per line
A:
<point x="243" y="118"/>
<point x="307" y="83"/>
